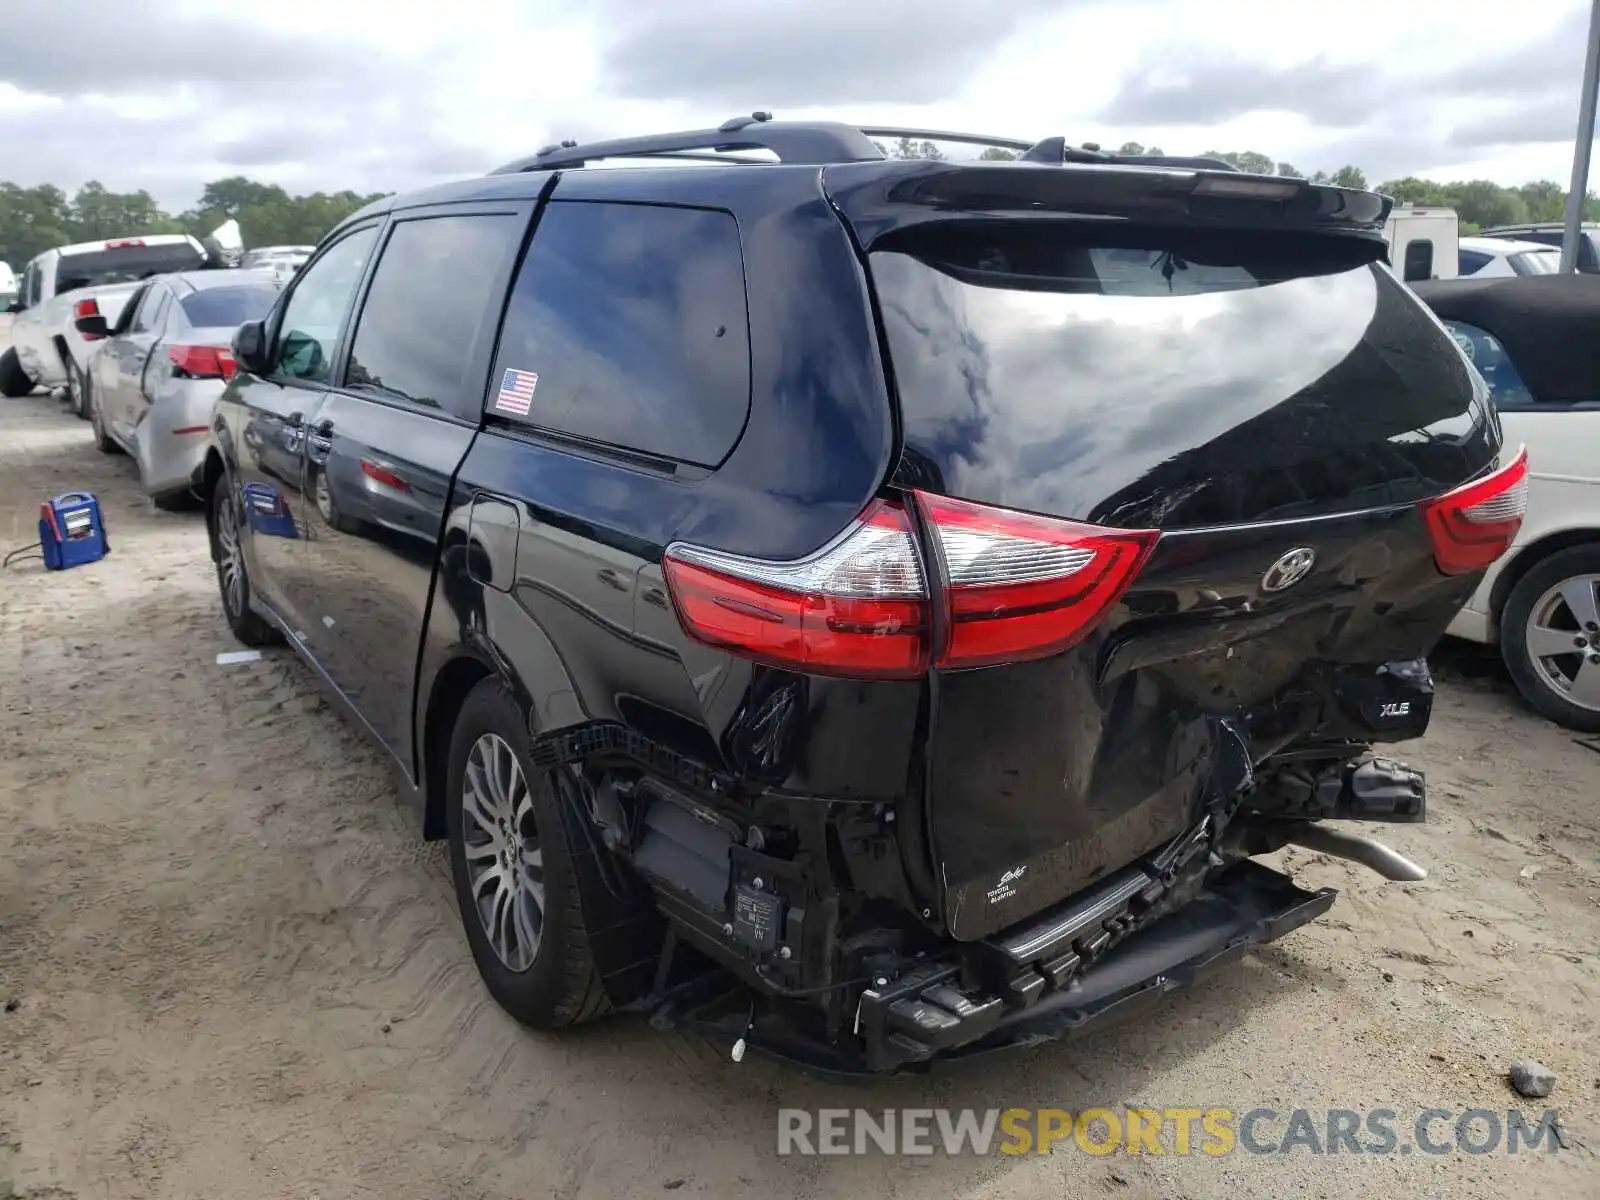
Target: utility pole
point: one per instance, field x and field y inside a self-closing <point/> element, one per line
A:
<point x="1579" y="191"/>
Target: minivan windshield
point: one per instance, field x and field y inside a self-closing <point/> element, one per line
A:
<point x="123" y="264"/>
<point x="1171" y="380"/>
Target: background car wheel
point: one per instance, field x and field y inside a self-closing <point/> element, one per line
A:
<point x="14" y="381"/>
<point x="77" y="392"/>
<point x="1550" y="637"/>
<point x="249" y="626"/>
<point x="514" y="875"/>
<point x="102" y="439"/>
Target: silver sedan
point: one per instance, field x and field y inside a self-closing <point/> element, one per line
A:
<point x="153" y="382"/>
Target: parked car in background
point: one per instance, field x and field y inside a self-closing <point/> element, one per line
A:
<point x="154" y="377"/>
<point x="291" y="258"/>
<point x="1536" y="341"/>
<point x="48" y="350"/>
<point x="869" y="609"/>
<point x="1550" y="233"/>
<point x="8" y="287"/>
<point x="1486" y="258"/>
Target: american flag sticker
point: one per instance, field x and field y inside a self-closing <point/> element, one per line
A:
<point x="516" y="392"/>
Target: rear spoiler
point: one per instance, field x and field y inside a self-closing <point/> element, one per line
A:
<point x="879" y="198"/>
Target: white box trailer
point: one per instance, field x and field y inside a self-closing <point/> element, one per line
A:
<point x="1424" y="242"/>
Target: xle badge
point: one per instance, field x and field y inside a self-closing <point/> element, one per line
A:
<point x="1006" y="888"/>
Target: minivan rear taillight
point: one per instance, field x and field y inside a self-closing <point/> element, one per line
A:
<point x="1018" y="586"/>
<point x="857" y="607"/>
<point x="1012" y="587"/>
<point x="1475" y="524"/>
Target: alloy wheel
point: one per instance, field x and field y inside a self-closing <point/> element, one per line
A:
<point x="505" y="865"/>
<point x="1563" y="640"/>
<point x="230" y="563"/>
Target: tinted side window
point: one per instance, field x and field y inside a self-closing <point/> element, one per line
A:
<point x="144" y="320"/>
<point x="429" y="299"/>
<point x="1419" y="260"/>
<point x="1469" y="261"/>
<point x="130" y="312"/>
<point x="1486" y="353"/>
<point x="631" y="321"/>
<point x="155" y="309"/>
<point x="318" y="307"/>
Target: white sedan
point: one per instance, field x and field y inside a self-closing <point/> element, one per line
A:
<point x="1484" y="257"/>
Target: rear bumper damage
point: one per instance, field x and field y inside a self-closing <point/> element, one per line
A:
<point x="1159" y="924"/>
<point x="925" y="1013"/>
<point x="935" y="1011"/>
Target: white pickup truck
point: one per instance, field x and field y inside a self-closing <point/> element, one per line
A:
<point x="84" y="279"/>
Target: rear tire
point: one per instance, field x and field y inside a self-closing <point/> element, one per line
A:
<point x="1548" y="682"/>
<point x="248" y="626"/>
<point x="14" y="381"/>
<point x="102" y="440"/>
<point x="540" y="969"/>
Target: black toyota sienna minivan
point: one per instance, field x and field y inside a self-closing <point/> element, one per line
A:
<point x="871" y="610"/>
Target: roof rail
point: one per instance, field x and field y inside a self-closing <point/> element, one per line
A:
<point x="791" y="141"/>
<point x="820" y="143"/>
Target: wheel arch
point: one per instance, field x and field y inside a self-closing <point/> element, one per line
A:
<point x="1527" y="558"/>
<point x="211" y="474"/>
<point x="448" y="692"/>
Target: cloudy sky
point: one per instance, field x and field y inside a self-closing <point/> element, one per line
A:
<point x="373" y="94"/>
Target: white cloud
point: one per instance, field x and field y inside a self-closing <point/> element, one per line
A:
<point x="368" y="95"/>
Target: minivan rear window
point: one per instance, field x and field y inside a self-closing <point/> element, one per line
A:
<point x="1171" y="380"/>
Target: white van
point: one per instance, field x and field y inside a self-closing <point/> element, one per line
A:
<point x="1424" y="242"/>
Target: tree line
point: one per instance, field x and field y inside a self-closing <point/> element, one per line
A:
<point x="34" y="219"/>
<point x="1480" y="203"/>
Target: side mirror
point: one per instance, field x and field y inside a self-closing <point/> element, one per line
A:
<point x="250" y="347"/>
<point x="92" y="325"/>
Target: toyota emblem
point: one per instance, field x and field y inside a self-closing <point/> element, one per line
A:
<point x="1289" y="570"/>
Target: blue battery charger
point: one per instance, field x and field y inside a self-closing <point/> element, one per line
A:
<point x="72" y="531"/>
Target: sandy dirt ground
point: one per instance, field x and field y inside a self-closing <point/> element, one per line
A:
<point x="233" y="969"/>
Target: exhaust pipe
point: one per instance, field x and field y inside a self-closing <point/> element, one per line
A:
<point x="1364" y="850"/>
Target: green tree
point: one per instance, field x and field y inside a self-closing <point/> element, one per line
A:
<point x="908" y="148"/>
<point x="35" y="219"/>
<point x="997" y="154"/>
<point x="1245" y="160"/>
<point x="1349" y="177"/>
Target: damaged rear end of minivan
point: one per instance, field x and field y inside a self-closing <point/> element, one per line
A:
<point x="1186" y="486"/>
